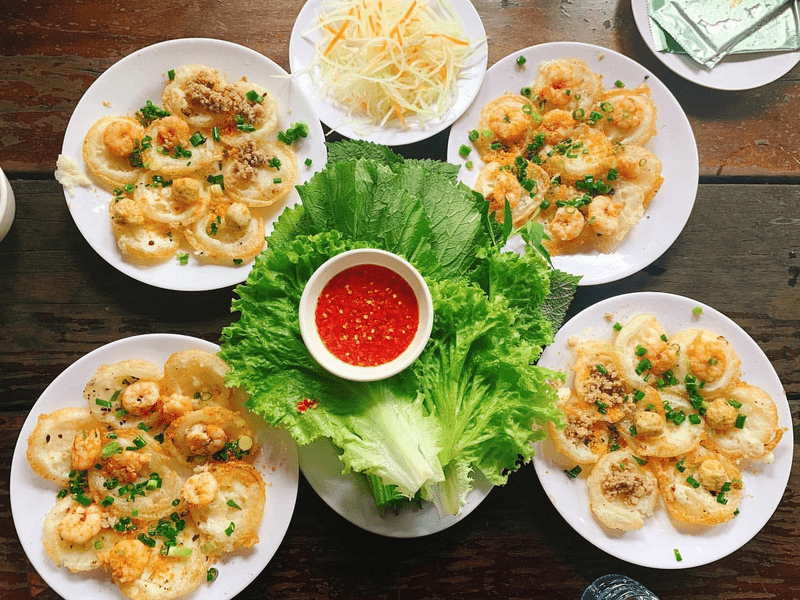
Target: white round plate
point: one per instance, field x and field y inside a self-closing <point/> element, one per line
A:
<point x="32" y="497"/>
<point x="654" y="545"/>
<point x="674" y="145"/>
<point x="302" y="53"/>
<point x="124" y="88"/>
<point x="349" y="495"/>
<point x="732" y="73"/>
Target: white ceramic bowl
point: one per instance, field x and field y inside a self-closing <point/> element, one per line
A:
<point x="334" y="266"/>
<point x="7" y="205"/>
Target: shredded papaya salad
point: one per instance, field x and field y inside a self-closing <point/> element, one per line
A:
<point x="385" y="61"/>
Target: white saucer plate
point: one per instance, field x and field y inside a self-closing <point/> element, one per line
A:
<point x="674" y="145"/>
<point x="32" y="497"/>
<point x="735" y="72"/>
<point x="124" y="88"/>
<point x="302" y="53"/>
<point x="655" y="544"/>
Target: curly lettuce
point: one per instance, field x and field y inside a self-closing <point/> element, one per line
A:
<point x="474" y="400"/>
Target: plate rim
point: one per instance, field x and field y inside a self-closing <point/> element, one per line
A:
<point x="687" y="163"/>
<point x="59" y="578"/>
<point x="613" y="543"/>
<point x="365" y="515"/>
<point x="93" y="104"/>
<point x="392" y="137"/>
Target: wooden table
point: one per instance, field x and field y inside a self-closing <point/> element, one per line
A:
<point x="60" y="300"/>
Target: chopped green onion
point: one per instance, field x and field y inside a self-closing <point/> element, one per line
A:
<point x="474" y="135"/>
<point x="308" y="162"/>
<point x="619" y="84"/>
<point x="521" y="60"/>
<point x="179" y="552"/>
<point x="697" y="311"/>
<point x="212" y="574"/>
<point x="740" y="421"/>
<point x="230" y="529"/>
<point x="197" y="139"/>
<point x="601" y="369"/>
<point x="295" y="132"/>
<point x="464" y="150"/>
<point x="171" y="74"/>
<point x="574" y="471"/>
<point x="693" y="482"/>
<point x="232" y="504"/>
<point x="678" y="556"/>
<point x="215" y="134"/>
<point x="110" y="449"/>
<point x="254" y="96"/>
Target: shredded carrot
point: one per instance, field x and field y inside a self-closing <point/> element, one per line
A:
<point x="391" y="59"/>
<point x="339" y="33"/>
<point x="449" y="38"/>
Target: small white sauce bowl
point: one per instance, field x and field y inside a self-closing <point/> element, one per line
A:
<point x="7" y="205"/>
<point x="334" y="266"/>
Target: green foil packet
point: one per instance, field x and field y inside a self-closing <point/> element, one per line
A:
<point x="709" y="30"/>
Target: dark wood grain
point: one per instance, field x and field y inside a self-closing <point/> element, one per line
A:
<point x="59" y="299"/>
<point x="52" y="53"/>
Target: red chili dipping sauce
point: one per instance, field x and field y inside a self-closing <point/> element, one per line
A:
<point x="367" y="315"/>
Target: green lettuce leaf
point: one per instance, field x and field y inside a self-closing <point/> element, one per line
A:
<point x="474" y="400"/>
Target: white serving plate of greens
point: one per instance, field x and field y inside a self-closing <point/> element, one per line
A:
<point x="349" y="495"/>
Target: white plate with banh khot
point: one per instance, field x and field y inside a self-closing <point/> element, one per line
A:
<point x="735" y="72"/>
<point x="349" y="494"/>
<point x="123" y="90"/>
<point x="672" y="142"/>
<point x="662" y="541"/>
<point x="33" y="496"/>
<point x="352" y="92"/>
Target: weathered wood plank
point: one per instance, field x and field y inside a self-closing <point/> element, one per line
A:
<point x="51" y="54"/>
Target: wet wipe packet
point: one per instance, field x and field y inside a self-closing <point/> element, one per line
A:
<point x="709" y="30"/>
